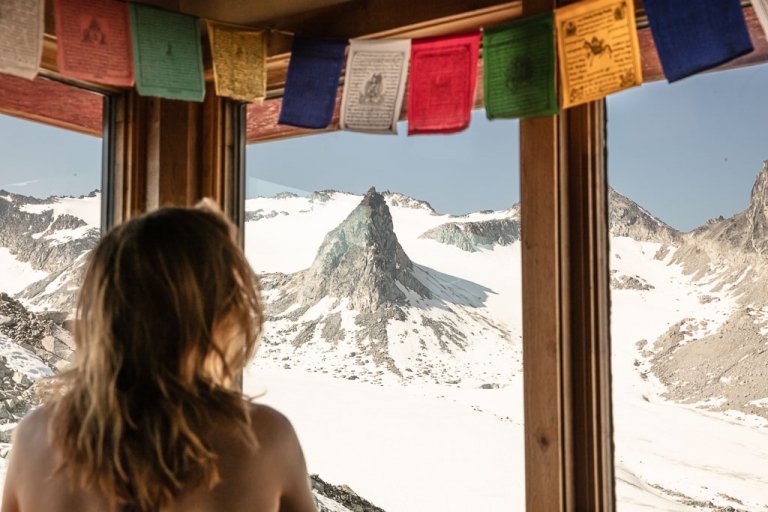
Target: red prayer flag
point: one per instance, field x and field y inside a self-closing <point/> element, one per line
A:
<point x="94" y="41"/>
<point x="441" y="91"/>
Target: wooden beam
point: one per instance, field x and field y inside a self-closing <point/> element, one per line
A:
<point x="262" y="119"/>
<point x="399" y="19"/>
<point x="52" y="103"/>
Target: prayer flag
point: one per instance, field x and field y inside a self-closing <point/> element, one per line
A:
<point x="239" y="62"/>
<point x="94" y="41"/>
<point x="761" y="9"/>
<point x="694" y="36"/>
<point x="598" y="47"/>
<point x="21" y="37"/>
<point x="519" y="68"/>
<point x="441" y="89"/>
<point x="374" y="85"/>
<point x="312" y="82"/>
<point x="167" y="54"/>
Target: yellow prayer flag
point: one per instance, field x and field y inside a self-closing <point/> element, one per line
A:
<point x="239" y="61"/>
<point x="598" y="49"/>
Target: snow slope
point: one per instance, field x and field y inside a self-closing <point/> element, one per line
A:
<point x="16" y="275"/>
<point x="668" y="456"/>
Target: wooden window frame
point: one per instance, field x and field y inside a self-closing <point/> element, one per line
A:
<point x="159" y="152"/>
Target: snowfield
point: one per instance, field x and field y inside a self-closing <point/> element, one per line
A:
<point x="459" y="448"/>
<point x="418" y="446"/>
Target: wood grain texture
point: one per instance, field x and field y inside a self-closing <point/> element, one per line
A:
<point x="174" y="153"/>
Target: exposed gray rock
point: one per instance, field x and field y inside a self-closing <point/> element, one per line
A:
<point x="31" y="237"/>
<point x="341" y="495"/>
<point x="404" y="201"/>
<point x="624" y="282"/>
<point x="48" y="340"/>
<point x="472" y="236"/>
<point x="361" y="259"/>
<point x="627" y="218"/>
<point x="747" y="230"/>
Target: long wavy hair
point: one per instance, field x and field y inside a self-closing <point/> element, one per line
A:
<point x="168" y="314"/>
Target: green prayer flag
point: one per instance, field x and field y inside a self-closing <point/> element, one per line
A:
<point x="519" y="68"/>
<point x="167" y="54"/>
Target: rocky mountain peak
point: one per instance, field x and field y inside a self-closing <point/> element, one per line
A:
<point x="627" y="218"/>
<point x="757" y="213"/>
<point x="362" y="259"/>
<point x="747" y="230"/>
<point x="759" y="199"/>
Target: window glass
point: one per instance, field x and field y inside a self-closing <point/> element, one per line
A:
<point x="689" y="274"/>
<point x="391" y="276"/>
<point x="50" y="213"/>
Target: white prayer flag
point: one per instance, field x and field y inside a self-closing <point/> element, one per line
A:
<point x="761" y="9"/>
<point x="374" y="85"/>
<point x="21" y="37"/>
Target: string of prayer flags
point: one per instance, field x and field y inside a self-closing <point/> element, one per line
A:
<point x="761" y="9"/>
<point x="167" y="54"/>
<point x="375" y="85"/>
<point x="21" y="37"/>
<point x="312" y="82"/>
<point x="519" y="68"/>
<point x="599" y="50"/>
<point x="441" y="90"/>
<point x="694" y="36"/>
<point x="94" y="41"/>
<point x="239" y="62"/>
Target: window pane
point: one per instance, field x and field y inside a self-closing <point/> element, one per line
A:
<point x="50" y="214"/>
<point x="390" y="267"/>
<point x="689" y="232"/>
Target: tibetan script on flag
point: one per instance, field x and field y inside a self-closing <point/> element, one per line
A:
<point x="375" y="85"/>
<point x="441" y="91"/>
<point x="519" y="73"/>
<point x="599" y="52"/>
<point x="94" y="41"/>
<point x="239" y="62"/>
<point x="21" y="36"/>
<point x="167" y="54"/>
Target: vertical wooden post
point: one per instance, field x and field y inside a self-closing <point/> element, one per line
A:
<point x="590" y="426"/>
<point x="566" y="356"/>
<point x="174" y="153"/>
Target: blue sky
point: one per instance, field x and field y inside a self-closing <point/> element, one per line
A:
<point x="687" y="152"/>
<point x="473" y="170"/>
<point x="690" y="151"/>
<point x="40" y="160"/>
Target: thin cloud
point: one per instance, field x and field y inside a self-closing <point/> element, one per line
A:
<point x="23" y="183"/>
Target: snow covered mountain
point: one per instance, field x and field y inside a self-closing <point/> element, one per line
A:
<point x="364" y="309"/>
<point x="43" y="244"/>
<point x="363" y="291"/>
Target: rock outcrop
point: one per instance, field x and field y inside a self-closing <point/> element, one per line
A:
<point x="361" y="259"/>
<point x="473" y="236"/>
<point x="627" y="218"/>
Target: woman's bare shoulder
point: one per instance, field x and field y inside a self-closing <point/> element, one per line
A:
<point x="32" y="431"/>
<point x="270" y="424"/>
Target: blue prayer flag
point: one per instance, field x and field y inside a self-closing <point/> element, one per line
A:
<point x="312" y="81"/>
<point x="692" y="36"/>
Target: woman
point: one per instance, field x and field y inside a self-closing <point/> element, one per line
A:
<point x="148" y="418"/>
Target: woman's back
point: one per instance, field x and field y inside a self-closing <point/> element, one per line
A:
<point x="147" y="419"/>
<point x="271" y="477"/>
